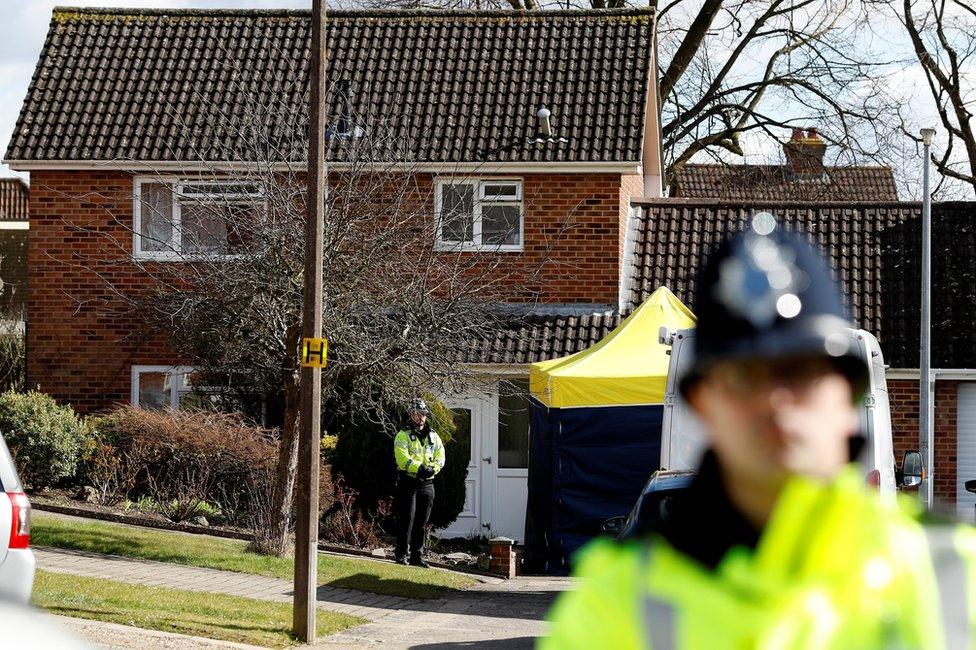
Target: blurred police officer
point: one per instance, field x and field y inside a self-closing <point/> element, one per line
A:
<point x="778" y="542"/>
<point x="419" y="455"/>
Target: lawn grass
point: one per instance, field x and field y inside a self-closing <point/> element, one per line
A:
<point x="216" y="616"/>
<point x="384" y="578"/>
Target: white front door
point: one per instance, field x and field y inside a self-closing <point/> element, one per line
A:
<point x="508" y="460"/>
<point x="496" y="488"/>
<point x="469" y="417"/>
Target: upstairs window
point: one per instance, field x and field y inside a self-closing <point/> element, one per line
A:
<point x="479" y="215"/>
<point x="184" y="219"/>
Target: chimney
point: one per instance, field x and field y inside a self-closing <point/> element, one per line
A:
<point x="805" y="154"/>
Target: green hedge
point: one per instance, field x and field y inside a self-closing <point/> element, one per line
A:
<point x="363" y="455"/>
<point x="47" y="440"/>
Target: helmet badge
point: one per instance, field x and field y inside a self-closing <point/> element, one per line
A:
<point x="760" y="280"/>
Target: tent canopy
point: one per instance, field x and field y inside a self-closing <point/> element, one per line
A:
<point x="627" y="368"/>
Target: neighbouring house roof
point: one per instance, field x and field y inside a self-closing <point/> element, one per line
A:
<point x="14" y="197"/>
<point x="779" y="183"/>
<point x="873" y="247"/>
<point x="432" y="86"/>
<point x="539" y="337"/>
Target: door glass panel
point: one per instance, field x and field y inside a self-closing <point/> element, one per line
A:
<point x="513" y="424"/>
<point x="462" y="435"/>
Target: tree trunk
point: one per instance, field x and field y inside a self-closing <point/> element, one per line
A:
<point x="276" y="538"/>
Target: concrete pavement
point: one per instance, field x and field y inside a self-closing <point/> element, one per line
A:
<point x="494" y="613"/>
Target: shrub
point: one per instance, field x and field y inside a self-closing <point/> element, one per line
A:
<point x="109" y="471"/>
<point x="13" y="352"/>
<point x="363" y="456"/>
<point x="45" y="439"/>
<point x="184" y="460"/>
<point x="344" y="522"/>
<point x="449" y="484"/>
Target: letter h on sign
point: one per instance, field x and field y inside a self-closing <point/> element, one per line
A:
<point x="314" y="353"/>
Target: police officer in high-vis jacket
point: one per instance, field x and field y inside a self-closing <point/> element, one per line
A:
<point x="419" y="455"/>
<point x="778" y="542"/>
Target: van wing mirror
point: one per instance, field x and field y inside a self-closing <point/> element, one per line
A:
<point x="912" y="470"/>
<point x="613" y="526"/>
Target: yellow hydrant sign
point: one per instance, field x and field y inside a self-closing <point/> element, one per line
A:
<point x="314" y="353"/>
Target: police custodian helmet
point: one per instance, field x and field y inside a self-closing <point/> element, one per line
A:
<point x="419" y="405"/>
<point x="766" y="294"/>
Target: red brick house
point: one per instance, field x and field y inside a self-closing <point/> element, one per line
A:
<point x="126" y="106"/>
<point x="118" y="103"/>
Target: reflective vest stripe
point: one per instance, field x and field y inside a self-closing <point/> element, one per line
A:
<point x="657" y="615"/>
<point x="950" y="574"/>
<point x="659" y="623"/>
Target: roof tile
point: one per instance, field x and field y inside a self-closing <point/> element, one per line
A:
<point x="14" y="198"/>
<point x="874" y="249"/>
<point x="183" y="85"/>
<point x="776" y="183"/>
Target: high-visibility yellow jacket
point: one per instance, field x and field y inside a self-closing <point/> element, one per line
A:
<point x="835" y="567"/>
<point x="412" y="449"/>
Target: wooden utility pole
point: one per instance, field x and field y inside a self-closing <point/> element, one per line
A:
<point x="307" y="522"/>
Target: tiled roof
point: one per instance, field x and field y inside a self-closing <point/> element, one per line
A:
<point x="874" y="248"/>
<point x="192" y="85"/>
<point x="14" y="196"/>
<point x="537" y="337"/>
<point x="777" y="183"/>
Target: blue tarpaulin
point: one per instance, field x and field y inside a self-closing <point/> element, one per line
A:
<point x="588" y="462"/>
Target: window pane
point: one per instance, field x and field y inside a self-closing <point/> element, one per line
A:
<point x="156" y="217"/>
<point x="204" y="228"/>
<point x="198" y="401"/>
<point x="242" y="225"/>
<point x="513" y="424"/>
<point x="154" y="389"/>
<point x="457" y="213"/>
<point x="505" y="192"/>
<point x="500" y="225"/>
<point x="223" y="190"/>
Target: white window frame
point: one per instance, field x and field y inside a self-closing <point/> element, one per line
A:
<point x="173" y="252"/>
<point x="479" y="202"/>
<point x="178" y="384"/>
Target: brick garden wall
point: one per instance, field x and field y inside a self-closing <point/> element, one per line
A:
<point x="81" y="349"/>
<point x="903" y="398"/>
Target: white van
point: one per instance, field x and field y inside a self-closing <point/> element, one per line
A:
<point x="682" y="441"/>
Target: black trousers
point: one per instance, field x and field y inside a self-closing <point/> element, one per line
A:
<point x="414" y="499"/>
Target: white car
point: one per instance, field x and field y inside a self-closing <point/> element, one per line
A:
<point x="16" y="558"/>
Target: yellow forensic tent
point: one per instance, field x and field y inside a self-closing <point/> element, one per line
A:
<point x="628" y="367"/>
